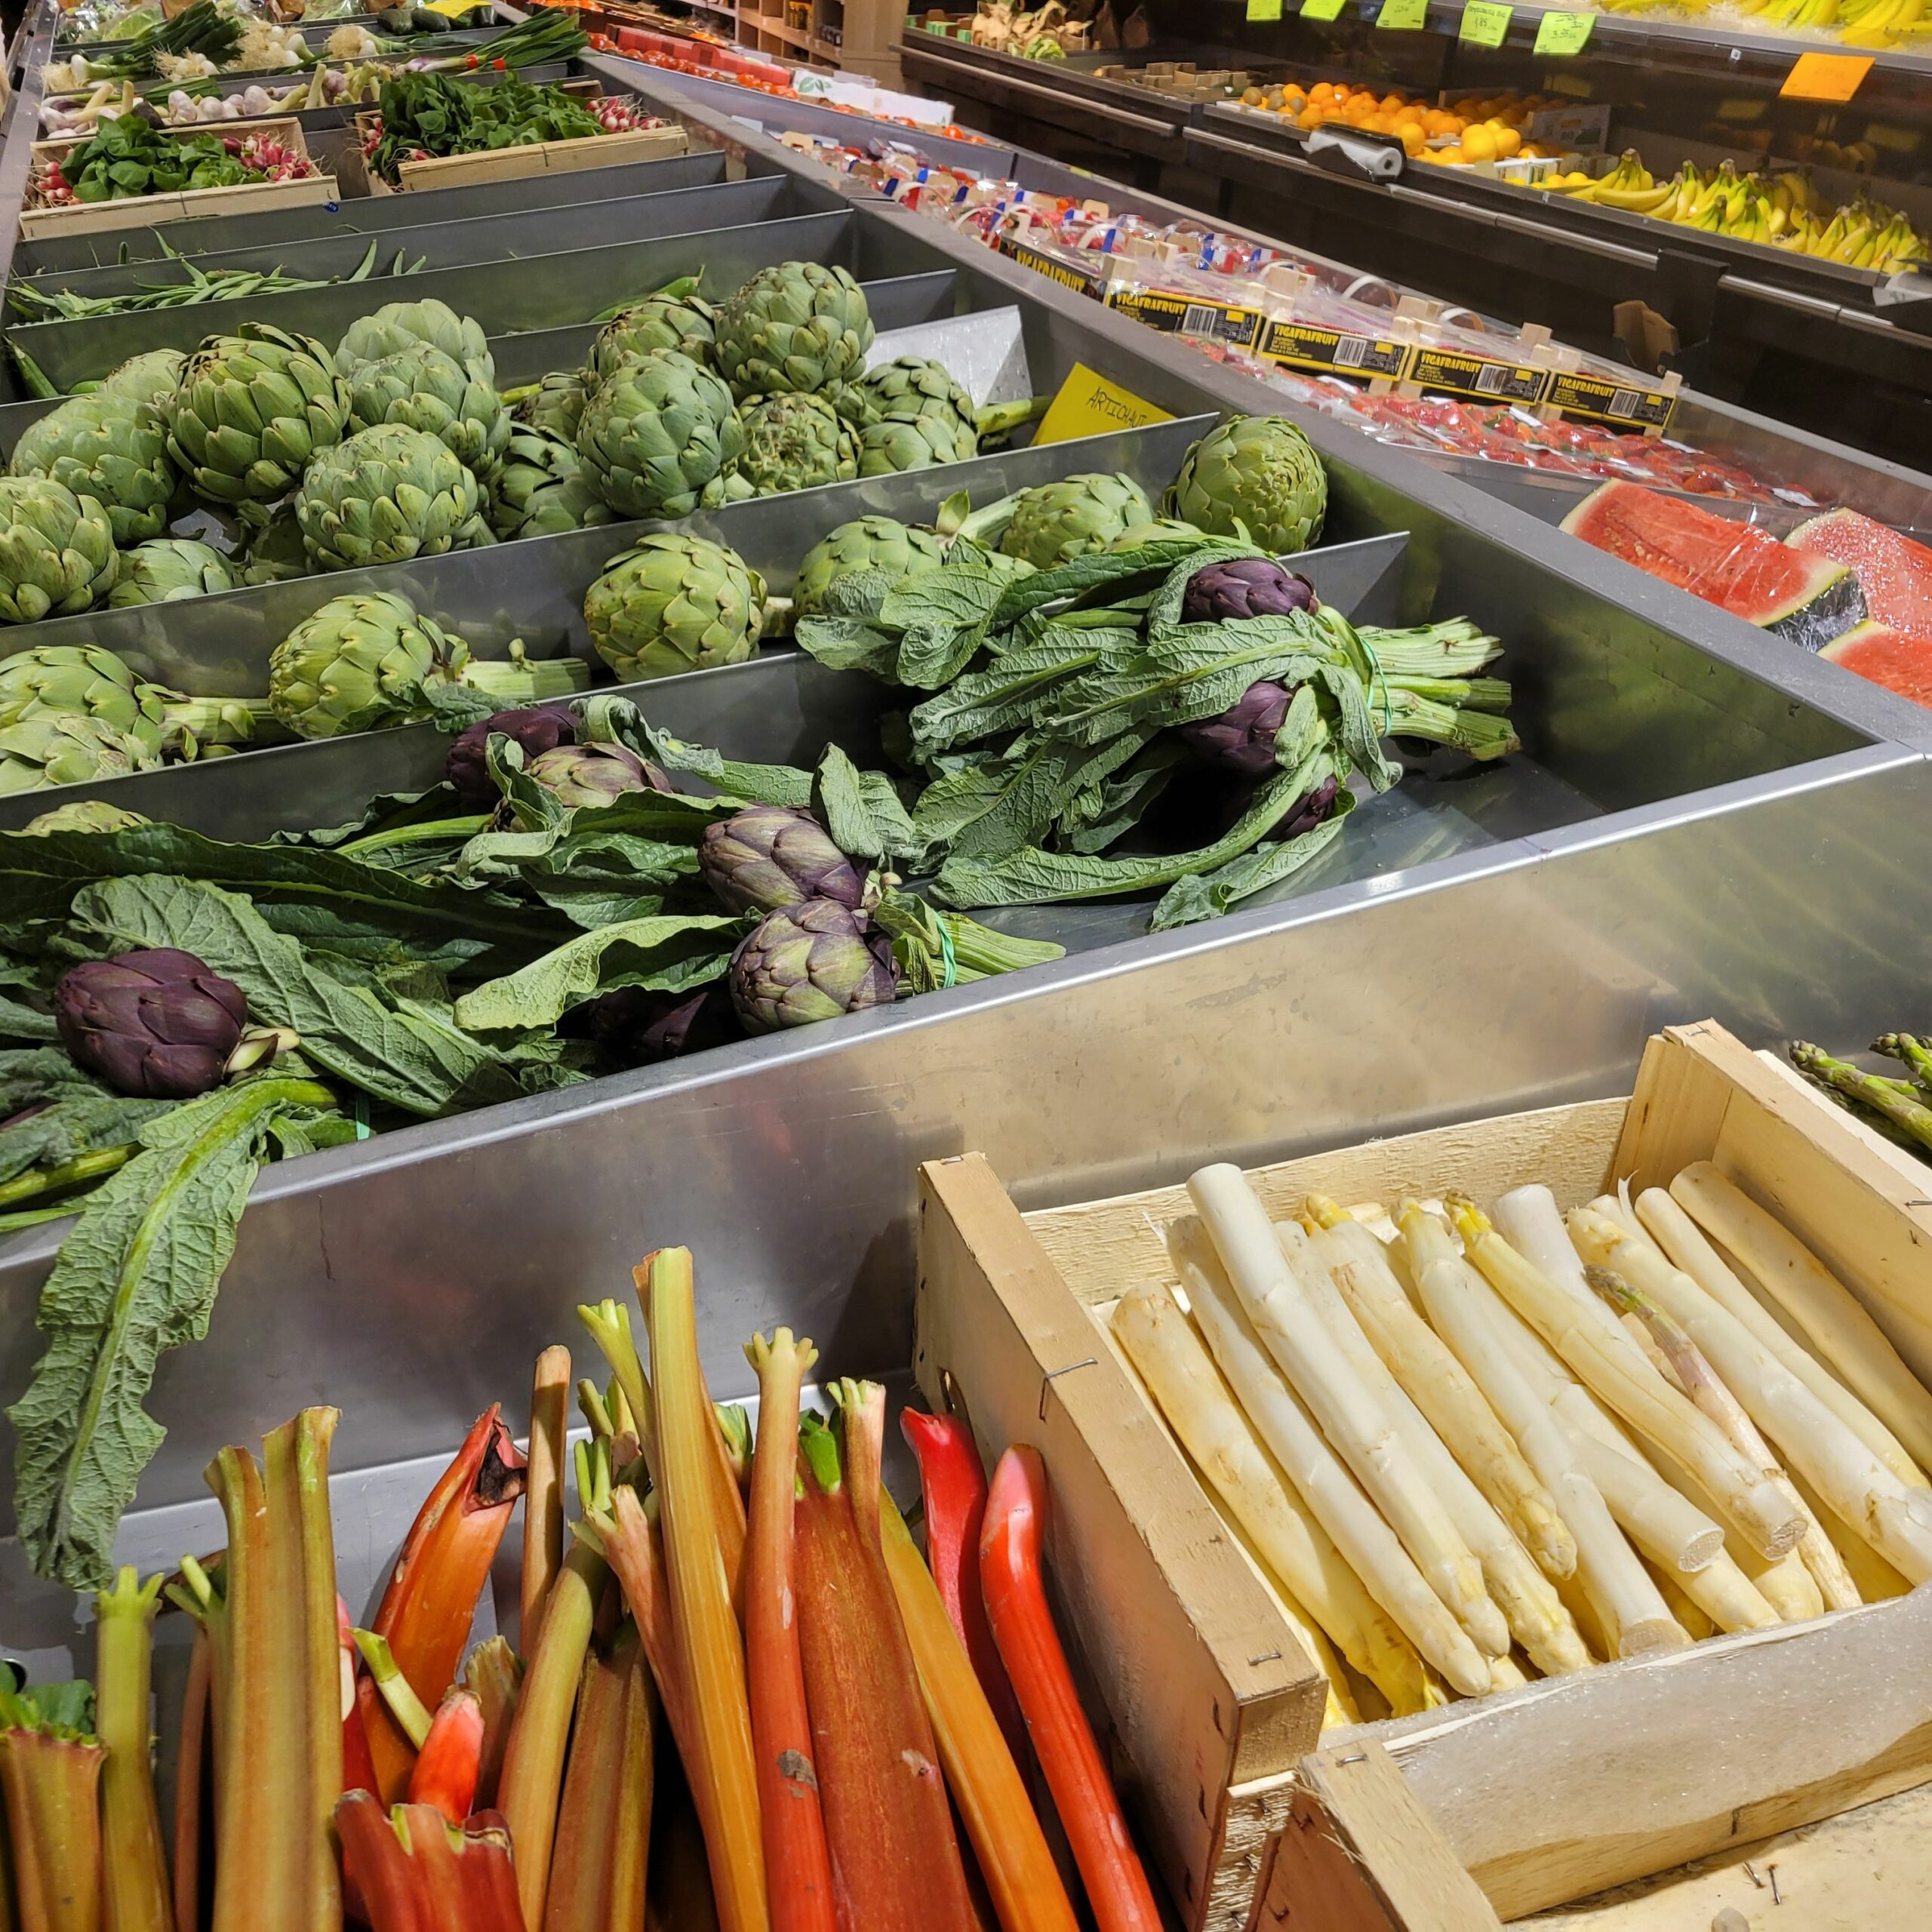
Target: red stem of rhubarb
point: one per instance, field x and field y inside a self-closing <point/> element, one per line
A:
<point x="895" y="1862"/>
<point x="543" y="1492"/>
<point x="358" y="1766"/>
<point x="1023" y="1625"/>
<point x="798" y="1864"/>
<point x="52" y="1786"/>
<point x="425" y="1612"/>
<point x="194" y="1767"/>
<point x="134" y="1864"/>
<point x="630" y="1541"/>
<point x="953" y="1482"/>
<point x="418" y="1873"/>
<point x="445" y="1774"/>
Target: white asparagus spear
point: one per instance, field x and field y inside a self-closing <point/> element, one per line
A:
<point x="1437" y="1385"/>
<point x="1787" y="1585"/>
<point x="1811" y="1438"/>
<point x="1632" y="1614"/>
<point x="1534" y="1612"/>
<point x="1618" y="1208"/>
<point x="1685" y="1247"/>
<point x="1697" y="1625"/>
<point x="1607" y="1363"/>
<point x="1169" y="1355"/>
<point x="1371" y="1547"/>
<point x="1701" y="1382"/>
<point x="1506" y="1674"/>
<point x="1832" y="1317"/>
<point x="1362" y="1431"/>
<point x="1877" y="1582"/>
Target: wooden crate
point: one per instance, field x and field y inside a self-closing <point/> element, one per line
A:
<point x="1492" y="1808"/>
<point x="158" y="210"/>
<point x="465" y="171"/>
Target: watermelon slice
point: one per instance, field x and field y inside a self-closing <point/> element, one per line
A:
<point x="1809" y="598"/>
<point x="1899" y="661"/>
<point x="1894" y="572"/>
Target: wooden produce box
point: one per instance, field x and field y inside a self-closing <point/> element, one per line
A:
<point x="1488" y="1809"/>
<point x="156" y="210"/>
<point x="465" y="171"/>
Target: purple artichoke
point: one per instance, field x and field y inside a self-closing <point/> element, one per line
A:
<point x="632" y="1024"/>
<point x="1246" y="587"/>
<point x="537" y="729"/>
<point x="594" y="774"/>
<point x="1311" y="809"/>
<point x="808" y="962"/>
<point x="156" y="1024"/>
<point x="1242" y="738"/>
<point x="769" y="856"/>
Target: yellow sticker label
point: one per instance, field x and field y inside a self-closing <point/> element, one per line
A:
<point x="1565" y="33"/>
<point x="1322" y="10"/>
<point x="1485" y="23"/>
<point x="1825" y="76"/>
<point x="453" y="9"/>
<point x="1404" y="15"/>
<point x="1264" y="9"/>
<point x="1088" y="405"/>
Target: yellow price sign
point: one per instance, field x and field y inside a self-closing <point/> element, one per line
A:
<point x="1264" y="9"/>
<point x="1322" y="10"/>
<point x="1565" y="33"/>
<point x="1485" y="23"/>
<point x="1088" y="405"/>
<point x="1825" y="76"/>
<point x="1404" y="16"/>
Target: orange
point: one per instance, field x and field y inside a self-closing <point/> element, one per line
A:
<point x="1508" y="142"/>
<point x="1413" y="138"/>
<point x="1479" y="143"/>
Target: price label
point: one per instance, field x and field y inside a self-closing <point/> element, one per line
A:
<point x="1485" y="23"/>
<point x="1322" y="10"/>
<point x="1565" y="33"/>
<point x="1403" y="15"/>
<point x="1264" y="9"/>
<point x="1825" y="76"/>
<point x="1088" y="405"/>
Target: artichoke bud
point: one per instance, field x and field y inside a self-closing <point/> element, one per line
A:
<point x="1244" y="587"/>
<point x="767" y="856"/>
<point x="1054" y="523"/>
<point x="591" y="775"/>
<point x="808" y="962"/>
<point x="156" y="1024"/>
<point x="535" y="730"/>
<point x="1242" y="738"/>
<point x="1257" y="477"/>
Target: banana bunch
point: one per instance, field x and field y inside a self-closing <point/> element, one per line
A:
<point x="1629" y="186"/>
<point x="1879" y="23"/>
<point x="1864" y="235"/>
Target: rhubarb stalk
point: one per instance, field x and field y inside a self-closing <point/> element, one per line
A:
<point x="1010" y="1574"/>
<point x="625" y="1535"/>
<point x="494" y="1672"/>
<point x="397" y="1694"/>
<point x="135" y="1877"/>
<point x="981" y="1774"/>
<point x="603" y="1840"/>
<point x="358" y="1766"/>
<point x="444" y="1775"/>
<point x="50" y="1774"/>
<point x="425" y="1612"/>
<point x="895" y="1861"/>
<point x="544" y="1488"/>
<point x="698" y="1567"/>
<point x="610" y="1325"/>
<point x="278" y="1697"/>
<point x="194" y="1774"/>
<point x="532" y="1785"/>
<point x="419" y="1873"/>
<point x="952" y="1485"/>
<point x="797" y="1863"/>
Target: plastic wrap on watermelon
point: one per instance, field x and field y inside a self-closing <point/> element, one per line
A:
<point x="1893" y="647"/>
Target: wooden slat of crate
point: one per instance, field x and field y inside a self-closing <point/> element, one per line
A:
<point x="158" y="210"/>
<point x="463" y="170"/>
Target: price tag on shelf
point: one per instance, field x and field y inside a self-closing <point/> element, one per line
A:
<point x="1403" y="15"/>
<point x="1322" y="10"/>
<point x="1264" y="9"/>
<point x="1088" y="405"/>
<point x="1485" y="23"/>
<point x="1565" y="33"/>
<point x="1825" y="76"/>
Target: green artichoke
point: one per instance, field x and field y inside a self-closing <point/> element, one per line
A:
<point x="1056" y="522"/>
<point x="56" y="550"/>
<point x="166" y="569"/>
<point x="399" y="325"/>
<point x="673" y="603"/>
<point x="84" y="815"/>
<point x="541" y="489"/>
<point x="898" y="550"/>
<point x="1162" y="529"/>
<point x="556" y="404"/>
<point x="110" y="447"/>
<point x="273" y="551"/>
<point x="64" y="748"/>
<point x="253" y="409"/>
<point x="795" y="442"/>
<point x="914" y="388"/>
<point x="386" y="494"/>
<point x="79" y="681"/>
<point x="660" y="437"/>
<point x="422" y="388"/>
<point x="1257" y="477"/>
<point x="798" y="326"/>
<point x="363" y="661"/>
<point x="681" y="323"/>
<point x="152" y="376"/>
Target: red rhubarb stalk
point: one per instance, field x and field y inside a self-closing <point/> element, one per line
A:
<point x="630" y="1541"/>
<point x="358" y="1767"/>
<point x="531" y="1785"/>
<point x="798" y="1865"/>
<point x="495" y="1673"/>
<point x="135" y="1872"/>
<point x="445" y="1774"/>
<point x="50" y="1774"/>
<point x="426" y="1610"/>
<point x="278" y="1679"/>
<point x="597" y="1872"/>
<point x="194" y="1770"/>
<point x="952" y="1483"/>
<point x="544" y="1490"/>
<point x="1012" y="1851"/>
<point x="1023" y="1625"/>
<point x="419" y="1873"/>
<point x="699" y="1562"/>
<point x="895" y="1862"/>
<point x="410" y="1713"/>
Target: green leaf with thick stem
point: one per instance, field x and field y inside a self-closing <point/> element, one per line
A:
<point x="1208" y="895"/>
<point x="134" y="1862"/>
<point x="137" y="1276"/>
<point x="76" y="1119"/>
<point x="861" y="811"/>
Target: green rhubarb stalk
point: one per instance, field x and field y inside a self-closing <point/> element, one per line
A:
<point x="135" y="1872"/>
<point x="1895" y="1101"/>
<point x="598" y="1869"/>
<point x="495" y="1673"/>
<point x="544" y="1488"/>
<point x="396" y="1690"/>
<point x="734" y="1424"/>
<point x="531" y="1786"/>
<point x="52" y="1777"/>
<point x="278" y="1685"/>
<point x="610" y="1325"/>
<point x="596" y="1411"/>
<point x="194" y="1766"/>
